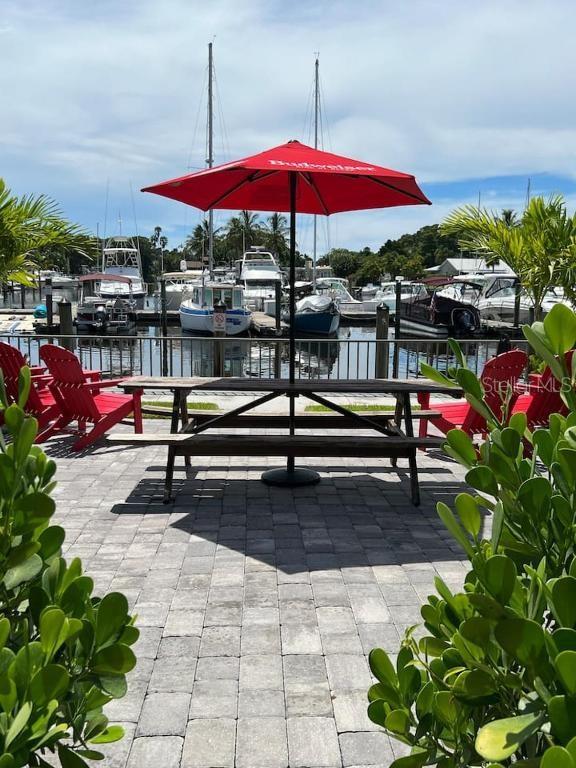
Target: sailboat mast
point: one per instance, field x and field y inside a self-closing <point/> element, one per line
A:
<point x="210" y="159"/>
<point x="316" y="111"/>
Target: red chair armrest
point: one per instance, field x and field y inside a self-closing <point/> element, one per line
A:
<point x="93" y="375"/>
<point x="101" y="384"/>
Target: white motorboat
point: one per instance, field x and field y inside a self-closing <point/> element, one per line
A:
<point x="121" y="258"/>
<point x="197" y="312"/>
<point x="348" y="307"/>
<point x="386" y="294"/>
<point x="259" y="274"/>
<point x="494" y="295"/>
<point x="98" y="314"/>
<point x="179" y="286"/>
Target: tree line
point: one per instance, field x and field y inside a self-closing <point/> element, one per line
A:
<point x="538" y="244"/>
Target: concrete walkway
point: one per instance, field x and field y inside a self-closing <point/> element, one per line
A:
<point x="257" y="606"/>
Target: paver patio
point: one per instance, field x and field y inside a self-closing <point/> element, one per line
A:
<point x="257" y="606"/>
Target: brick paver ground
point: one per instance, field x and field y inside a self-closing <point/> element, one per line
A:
<point x="257" y="606"/>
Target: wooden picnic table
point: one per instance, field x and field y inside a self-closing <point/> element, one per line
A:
<point x="399" y="443"/>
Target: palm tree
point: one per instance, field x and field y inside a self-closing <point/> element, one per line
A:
<point x="539" y="245"/>
<point x="251" y="227"/>
<point x="277" y="226"/>
<point x="30" y="228"/>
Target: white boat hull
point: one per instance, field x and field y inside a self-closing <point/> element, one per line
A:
<point x="196" y="319"/>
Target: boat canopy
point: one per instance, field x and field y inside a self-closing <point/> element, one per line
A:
<point x="105" y="277"/>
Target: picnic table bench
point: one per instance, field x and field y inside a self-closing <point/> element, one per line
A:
<point x="186" y="436"/>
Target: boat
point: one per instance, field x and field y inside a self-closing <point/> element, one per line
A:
<point x="438" y="316"/>
<point x="496" y="300"/>
<point x="96" y="313"/>
<point x="179" y="286"/>
<point x="121" y="258"/>
<point x="316" y="315"/>
<point x="386" y="294"/>
<point x="259" y="274"/>
<point x="348" y="307"/>
<point x="197" y="312"/>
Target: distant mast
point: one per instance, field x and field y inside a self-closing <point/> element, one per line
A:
<point x="316" y="111"/>
<point x="210" y="160"/>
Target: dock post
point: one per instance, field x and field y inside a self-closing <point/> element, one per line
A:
<point x="278" y="345"/>
<point x="382" y="349"/>
<point x="517" y="292"/>
<point x="22" y="296"/>
<point x="48" y="300"/>
<point x="219" y="330"/>
<point x="164" y="327"/>
<point x="396" y="359"/>
<point x="66" y="325"/>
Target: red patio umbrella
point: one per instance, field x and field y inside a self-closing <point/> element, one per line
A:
<point x="294" y="178"/>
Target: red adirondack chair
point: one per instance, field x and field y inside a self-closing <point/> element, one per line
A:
<point x="499" y="375"/>
<point x="41" y="403"/>
<point x="543" y="399"/>
<point x="82" y="401"/>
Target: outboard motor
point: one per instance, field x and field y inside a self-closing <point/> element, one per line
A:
<point x="101" y="314"/>
<point x="464" y="321"/>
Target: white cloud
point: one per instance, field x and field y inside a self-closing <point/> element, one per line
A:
<point x="110" y="92"/>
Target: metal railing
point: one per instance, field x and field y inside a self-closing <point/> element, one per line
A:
<point x="259" y="358"/>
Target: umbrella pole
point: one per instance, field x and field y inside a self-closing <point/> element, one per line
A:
<point x="291" y="476"/>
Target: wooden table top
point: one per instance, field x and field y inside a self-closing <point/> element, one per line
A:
<point x="240" y="384"/>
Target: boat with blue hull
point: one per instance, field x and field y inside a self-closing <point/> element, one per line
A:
<point x="316" y="315"/>
<point x="197" y="312"/>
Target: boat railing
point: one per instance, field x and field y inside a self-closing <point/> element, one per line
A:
<point x="322" y="358"/>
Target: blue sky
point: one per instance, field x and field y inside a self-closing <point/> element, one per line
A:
<point x="111" y="96"/>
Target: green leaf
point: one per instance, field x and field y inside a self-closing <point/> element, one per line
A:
<point x="18" y="724"/>
<point x="415" y="760"/>
<point x="557" y="757"/>
<point x="497" y="525"/>
<point x="26" y="571"/>
<point x="499" y="577"/>
<point x="4" y="631"/>
<point x="564" y="639"/>
<point x="482" y="479"/>
<point x="70" y="759"/>
<point x="49" y="683"/>
<point x="565" y="664"/>
<point x="51" y="541"/>
<point x="435" y="375"/>
<point x="24" y="384"/>
<point x="523" y="639"/>
<point x="475" y="687"/>
<point x="462" y="446"/>
<point x="560" y="328"/>
<point x="382" y="668"/>
<point x="519" y="422"/>
<point x="540" y="344"/>
<point x="378" y="712"/>
<point x="115" y="659"/>
<point x="564" y="601"/>
<point x="445" y="514"/>
<point x="398" y="721"/>
<point x="115" y="685"/>
<point x="53" y="631"/>
<point x="111" y="618"/>
<point x="446" y="707"/>
<point x="7" y="761"/>
<point x="500" y="739"/>
<point x="469" y="513"/>
<point x="562" y="713"/>
<point x="535" y="495"/>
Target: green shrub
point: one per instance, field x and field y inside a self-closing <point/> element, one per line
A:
<point x="64" y="653"/>
<point x="492" y="678"/>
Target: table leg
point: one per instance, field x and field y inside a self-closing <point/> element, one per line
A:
<point x="412" y="463"/>
<point x="175" y="412"/>
<point x="169" y="476"/>
<point x="184" y="420"/>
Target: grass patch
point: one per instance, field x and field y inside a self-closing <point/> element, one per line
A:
<point x="358" y="408"/>
<point x="194" y="406"/>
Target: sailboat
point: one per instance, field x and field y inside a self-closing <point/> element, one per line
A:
<point x="316" y="314"/>
<point x="197" y="312"/>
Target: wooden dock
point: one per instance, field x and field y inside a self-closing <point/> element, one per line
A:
<point x="264" y="325"/>
<point x="153" y="316"/>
